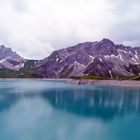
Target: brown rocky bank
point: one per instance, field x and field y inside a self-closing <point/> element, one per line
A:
<point x="123" y="83"/>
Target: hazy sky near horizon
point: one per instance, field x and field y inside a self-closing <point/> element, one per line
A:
<point x="34" y="28"/>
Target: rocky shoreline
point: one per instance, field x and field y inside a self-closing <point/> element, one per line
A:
<point x="123" y="83"/>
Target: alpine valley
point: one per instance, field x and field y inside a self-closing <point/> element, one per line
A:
<point x="101" y="58"/>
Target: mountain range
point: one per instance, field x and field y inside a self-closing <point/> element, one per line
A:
<point x="100" y="58"/>
<point x="9" y="59"/>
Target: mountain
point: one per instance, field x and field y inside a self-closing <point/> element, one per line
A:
<point x="101" y="58"/>
<point x="9" y="59"/>
<point x="13" y="65"/>
<point x="30" y="63"/>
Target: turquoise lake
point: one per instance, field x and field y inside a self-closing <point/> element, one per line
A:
<point x="55" y="110"/>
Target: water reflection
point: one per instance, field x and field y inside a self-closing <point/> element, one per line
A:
<point x="46" y="110"/>
<point x="106" y="103"/>
<point x="99" y="102"/>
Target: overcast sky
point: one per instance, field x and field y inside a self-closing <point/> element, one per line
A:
<point x="34" y="28"/>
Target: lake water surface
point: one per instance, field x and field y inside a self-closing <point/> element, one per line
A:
<point x="54" y="110"/>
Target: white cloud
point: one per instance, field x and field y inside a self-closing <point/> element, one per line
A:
<point x="34" y="28"/>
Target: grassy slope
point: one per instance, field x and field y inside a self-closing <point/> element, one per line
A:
<point x="91" y="78"/>
<point x="23" y="73"/>
<point x="105" y="78"/>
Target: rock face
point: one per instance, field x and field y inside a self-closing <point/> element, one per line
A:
<point x="103" y="58"/>
<point x="9" y="59"/>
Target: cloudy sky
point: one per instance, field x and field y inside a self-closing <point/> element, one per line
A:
<point x="34" y="28"/>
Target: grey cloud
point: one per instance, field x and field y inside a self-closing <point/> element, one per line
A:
<point x="127" y="26"/>
<point x="17" y="5"/>
<point x="20" y="5"/>
<point x="47" y="25"/>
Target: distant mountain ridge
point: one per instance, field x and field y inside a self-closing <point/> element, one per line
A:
<point x="100" y="58"/>
<point x="103" y="58"/>
<point x="9" y="59"/>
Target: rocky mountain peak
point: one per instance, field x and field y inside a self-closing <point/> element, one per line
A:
<point x="103" y="58"/>
<point x="10" y="59"/>
<point x="106" y="42"/>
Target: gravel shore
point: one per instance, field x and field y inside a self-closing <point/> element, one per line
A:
<point x="124" y="83"/>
